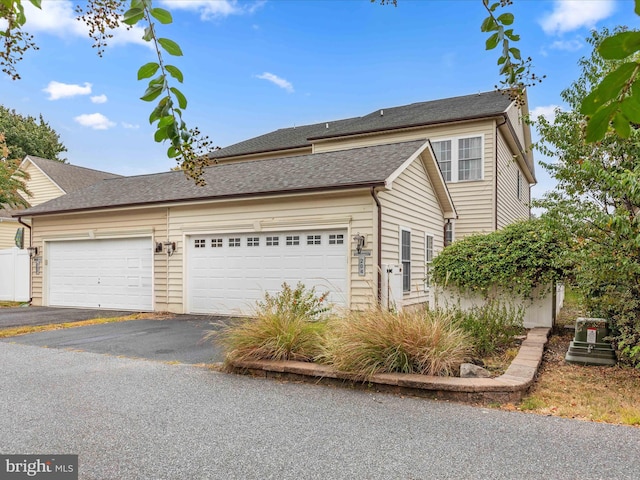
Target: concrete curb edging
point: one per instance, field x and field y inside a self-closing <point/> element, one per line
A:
<point x="509" y="387"/>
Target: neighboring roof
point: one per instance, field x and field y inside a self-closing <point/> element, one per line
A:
<point x="358" y="167"/>
<point x="467" y="107"/>
<point x="68" y="177"/>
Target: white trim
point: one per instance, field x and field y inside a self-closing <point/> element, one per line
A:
<point x="427" y="262"/>
<point x="455" y="155"/>
<point x="401" y="230"/>
<point x="41" y="171"/>
<point x="388" y="183"/>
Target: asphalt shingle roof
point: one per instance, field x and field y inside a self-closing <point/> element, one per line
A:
<point x="416" y="114"/>
<point x="332" y="170"/>
<point x="70" y="177"/>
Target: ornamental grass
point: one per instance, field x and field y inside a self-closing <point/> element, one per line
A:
<point x="376" y="341"/>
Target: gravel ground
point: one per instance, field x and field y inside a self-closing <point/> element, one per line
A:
<point x="138" y="419"/>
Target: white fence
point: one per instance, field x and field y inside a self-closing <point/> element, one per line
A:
<point x="14" y="275"/>
<point x="539" y="311"/>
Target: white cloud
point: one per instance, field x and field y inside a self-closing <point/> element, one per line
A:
<point x="58" y="18"/>
<point x="97" y="121"/>
<point x="276" y="80"/>
<point x="99" y="98"/>
<point x="58" y="90"/>
<point x="210" y="9"/>
<point x="546" y="111"/>
<point x="569" y="15"/>
<point x="130" y="126"/>
<point x="568" y="45"/>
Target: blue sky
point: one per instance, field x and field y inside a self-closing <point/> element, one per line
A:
<point x="254" y="66"/>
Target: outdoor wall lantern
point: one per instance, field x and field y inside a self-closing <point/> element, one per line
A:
<point x="33" y="251"/>
<point x="171" y="247"/>
<point x="359" y="241"/>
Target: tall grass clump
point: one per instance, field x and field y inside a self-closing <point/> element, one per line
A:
<point x="491" y="326"/>
<point x="378" y="341"/>
<point x="285" y="326"/>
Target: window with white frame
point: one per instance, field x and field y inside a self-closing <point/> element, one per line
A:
<point x="460" y="159"/>
<point x="273" y="241"/>
<point x="428" y="258"/>
<point x="405" y="258"/>
<point x="520" y="186"/>
<point x="448" y="233"/>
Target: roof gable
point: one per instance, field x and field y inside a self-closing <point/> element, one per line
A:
<point x="354" y="168"/>
<point x="66" y="177"/>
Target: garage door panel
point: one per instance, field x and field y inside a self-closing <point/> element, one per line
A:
<point x="235" y="277"/>
<point x="105" y="273"/>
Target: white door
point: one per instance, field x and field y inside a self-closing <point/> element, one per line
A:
<point x="109" y="273"/>
<point x="228" y="273"/>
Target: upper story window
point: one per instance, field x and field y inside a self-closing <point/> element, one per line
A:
<point x="405" y="258"/>
<point x="460" y="159"/>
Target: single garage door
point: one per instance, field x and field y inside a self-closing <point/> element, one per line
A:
<point x="109" y="273"/>
<point x="227" y="273"/>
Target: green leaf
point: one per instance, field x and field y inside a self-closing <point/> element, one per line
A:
<point x="175" y="72"/>
<point x="598" y="125"/>
<point x="512" y="36"/>
<point x="151" y="93"/>
<point x="620" y="45"/>
<point x="172" y="152"/>
<point x="501" y="60"/>
<point x="160" y="135"/>
<point x="516" y="53"/>
<point x="133" y="16"/>
<point x="608" y="89"/>
<point x="182" y="100"/>
<point x="166" y="120"/>
<point x="171" y="47"/>
<point x="148" y="34"/>
<point x="36" y="3"/>
<point x="162" y="15"/>
<point x="637" y="8"/>
<point x="148" y="70"/>
<point x="506" y="18"/>
<point x="488" y="25"/>
<point x="494" y="6"/>
<point x="621" y="125"/>
<point x="492" y="41"/>
<point x="630" y="106"/>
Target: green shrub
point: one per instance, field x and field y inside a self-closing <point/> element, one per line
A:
<point x="491" y="326"/>
<point x="301" y="301"/>
<point x="378" y="341"/>
<point x="286" y="326"/>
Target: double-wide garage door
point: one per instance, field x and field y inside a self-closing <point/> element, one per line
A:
<point x="106" y="273"/>
<point x="228" y="273"/>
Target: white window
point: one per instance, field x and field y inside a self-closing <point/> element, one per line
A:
<point x="273" y="241"/>
<point x="293" y="240"/>
<point x="428" y="258"/>
<point x="460" y="159"/>
<point x="521" y="186"/>
<point x="234" y="242"/>
<point x="216" y="243"/>
<point x="336" y="239"/>
<point x="199" y="243"/>
<point x="253" y="241"/>
<point x="405" y="258"/>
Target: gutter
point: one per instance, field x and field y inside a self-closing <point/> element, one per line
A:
<point x="30" y="246"/>
<point x="379" y="245"/>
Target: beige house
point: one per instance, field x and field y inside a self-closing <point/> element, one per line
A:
<point x="355" y="207"/>
<point x="48" y="179"/>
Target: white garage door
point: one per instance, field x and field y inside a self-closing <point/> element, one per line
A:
<point x="227" y="273"/>
<point x="110" y="273"/>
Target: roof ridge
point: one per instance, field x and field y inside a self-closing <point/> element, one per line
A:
<point x="72" y="165"/>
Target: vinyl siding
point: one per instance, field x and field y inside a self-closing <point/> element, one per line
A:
<point x="474" y="200"/>
<point x="7" y="233"/>
<point x="114" y="224"/>
<point x="413" y="204"/>
<point x="41" y="187"/>
<point x="351" y="210"/>
<point x="510" y="208"/>
<point x="514" y="114"/>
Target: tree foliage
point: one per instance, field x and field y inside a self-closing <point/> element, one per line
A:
<point x="597" y="201"/>
<point x="26" y="135"/>
<point x="517" y="259"/>
<point x="12" y="180"/>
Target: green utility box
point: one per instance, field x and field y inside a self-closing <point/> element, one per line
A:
<point x="588" y="346"/>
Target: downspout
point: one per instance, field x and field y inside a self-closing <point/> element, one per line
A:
<point x="495" y="173"/>
<point x="30" y="272"/>
<point x="379" y="246"/>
